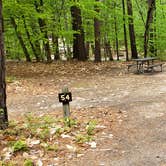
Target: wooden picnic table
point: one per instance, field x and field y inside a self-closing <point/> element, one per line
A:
<point x="145" y="64"/>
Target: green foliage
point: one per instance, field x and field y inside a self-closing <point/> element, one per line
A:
<point x="39" y="126"/>
<point x="19" y="146"/>
<point x="49" y="147"/>
<point x="90" y="127"/>
<point x="89" y="132"/>
<point x="45" y="133"/>
<point x="10" y="131"/>
<point x="57" y="18"/>
<point x="82" y="138"/>
<point x="9" y="163"/>
<point x="10" y="79"/>
<point x="28" y="162"/>
<point x="68" y="122"/>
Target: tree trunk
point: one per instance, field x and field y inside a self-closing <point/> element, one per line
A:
<point x="79" y="51"/>
<point x="87" y="47"/>
<point x="108" y="50"/>
<point x="20" y="38"/>
<point x="3" y="108"/>
<point x="69" y="52"/>
<point x="37" y="44"/>
<point x="149" y="21"/>
<point x="116" y="37"/>
<point x="64" y="47"/>
<point x="56" y="47"/>
<point x="134" y="53"/>
<point x="29" y="39"/>
<point x="97" y="49"/>
<point x="125" y="32"/>
<point x="43" y="30"/>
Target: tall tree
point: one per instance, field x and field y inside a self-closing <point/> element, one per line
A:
<point x="134" y="53"/>
<point x="35" y="52"/>
<point x="3" y="108"/>
<point x="20" y="38"/>
<point x="149" y="21"/>
<point x="125" y="31"/>
<point x="97" y="50"/>
<point x="43" y="27"/>
<point x="116" y="36"/>
<point x="79" y="51"/>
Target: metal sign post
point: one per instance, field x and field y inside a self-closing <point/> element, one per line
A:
<point x="65" y="97"/>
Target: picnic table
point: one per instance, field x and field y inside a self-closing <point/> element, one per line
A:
<point x="145" y="64"/>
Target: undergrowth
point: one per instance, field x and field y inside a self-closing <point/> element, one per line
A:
<point x="46" y="130"/>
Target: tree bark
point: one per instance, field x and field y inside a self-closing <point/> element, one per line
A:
<point x="3" y="108"/>
<point x="125" y="32"/>
<point x="20" y="38"/>
<point x="108" y="50"/>
<point x="42" y="24"/>
<point x="55" y="46"/>
<point x="97" y="49"/>
<point x="37" y="44"/>
<point x="134" y="53"/>
<point x="116" y="37"/>
<point x="29" y="39"/>
<point x="79" y="51"/>
<point x="87" y="47"/>
<point x="149" y="21"/>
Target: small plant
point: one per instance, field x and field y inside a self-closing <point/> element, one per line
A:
<point x="10" y="79"/>
<point x="80" y="138"/>
<point x="70" y="122"/>
<point x="13" y="124"/>
<point x="3" y="163"/>
<point x="59" y="131"/>
<point x="10" y="132"/>
<point x="28" y="162"/>
<point x="31" y="120"/>
<point x="51" y="148"/>
<point x="90" y="127"/>
<point x="44" y="134"/>
<point x="48" y="119"/>
<point x="19" y="146"/>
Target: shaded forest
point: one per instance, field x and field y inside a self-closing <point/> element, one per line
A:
<point x="38" y="30"/>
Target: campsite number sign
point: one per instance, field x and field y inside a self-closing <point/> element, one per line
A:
<point x="65" y="98"/>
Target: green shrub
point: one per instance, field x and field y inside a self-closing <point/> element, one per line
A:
<point x="19" y="146"/>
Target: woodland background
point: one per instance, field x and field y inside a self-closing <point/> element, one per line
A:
<point x="86" y="29"/>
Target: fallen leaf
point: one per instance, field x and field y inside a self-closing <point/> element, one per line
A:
<point x="92" y="144"/>
<point x="80" y="155"/>
<point x="65" y="136"/>
<point x="8" y="155"/>
<point x="71" y="148"/>
<point x="39" y="163"/>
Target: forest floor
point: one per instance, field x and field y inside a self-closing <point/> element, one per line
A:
<point x="130" y="110"/>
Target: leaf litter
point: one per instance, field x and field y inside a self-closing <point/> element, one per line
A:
<point x="48" y="139"/>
